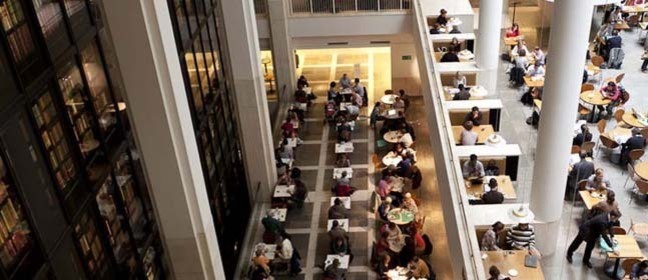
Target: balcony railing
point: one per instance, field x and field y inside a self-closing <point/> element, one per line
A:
<point x="260" y="7"/>
<point x="347" y="6"/>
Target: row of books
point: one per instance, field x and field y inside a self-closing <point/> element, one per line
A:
<point x="10" y="13"/>
<point x="20" y="43"/>
<point x="13" y="247"/>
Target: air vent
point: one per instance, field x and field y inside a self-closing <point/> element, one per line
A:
<point x="380" y="42"/>
<point x="338" y="43"/>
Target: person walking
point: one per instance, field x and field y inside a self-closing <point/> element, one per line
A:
<point x="590" y="232"/>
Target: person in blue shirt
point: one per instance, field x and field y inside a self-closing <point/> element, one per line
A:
<point x="639" y="270"/>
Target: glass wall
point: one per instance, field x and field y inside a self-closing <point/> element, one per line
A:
<point x="214" y="118"/>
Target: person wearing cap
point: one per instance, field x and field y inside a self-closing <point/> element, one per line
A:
<point x="637" y="141"/>
<point x="384" y="208"/>
<point x="493" y="196"/>
<point x="473" y="168"/>
<point x="409" y="203"/>
<point x="521" y="237"/>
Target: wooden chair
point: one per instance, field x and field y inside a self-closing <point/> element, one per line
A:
<point x="587" y="87"/>
<point x="627" y="265"/>
<point x="582" y="185"/>
<point x="644" y="133"/>
<point x="575" y="149"/>
<point x="583" y="111"/>
<point x="635" y="154"/>
<point x="597" y="60"/>
<point x="633" y="20"/>
<point x="607" y="143"/>
<point x="641" y="187"/>
<point x="618" y="231"/>
<point x="617" y="79"/>
<point x="638" y="228"/>
<point x="618" y="116"/>
<point x="588" y="147"/>
<point x="600" y="125"/>
<point x="389" y="91"/>
<point x="625" y="97"/>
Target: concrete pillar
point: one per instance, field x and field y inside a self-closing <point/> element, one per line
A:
<point x="568" y="42"/>
<point x="282" y="52"/>
<point x="488" y="42"/>
<point x="159" y="112"/>
<point x="256" y="135"/>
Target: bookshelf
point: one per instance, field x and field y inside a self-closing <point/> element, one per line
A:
<point x="54" y="143"/>
<point x="71" y="86"/>
<point x="15" y="231"/>
<point x="131" y="199"/>
<point x="17" y="30"/>
<point x="91" y="247"/>
<point x="97" y="83"/>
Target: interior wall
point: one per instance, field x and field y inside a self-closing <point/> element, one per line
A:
<point x="404" y="68"/>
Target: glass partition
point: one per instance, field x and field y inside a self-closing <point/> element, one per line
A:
<point x="52" y="25"/>
<point x="102" y="100"/>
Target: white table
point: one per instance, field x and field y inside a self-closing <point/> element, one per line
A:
<point x="465" y="55"/>
<point x="337" y="172"/>
<point x="279" y="214"/>
<point x="292" y="142"/>
<point x="454" y="21"/>
<point x="478" y="91"/>
<point x="270" y="250"/>
<point x="308" y="90"/>
<point x="501" y="143"/>
<point x="346" y="201"/>
<point x="388" y="99"/>
<point x="343" y="148"/>
<point x="391" y="159"/>
<point x="344" y="261"/>
<point x="350" y="123"/>
<point x="344" y="223"/>
<point x="283" y="191"/>
<point x="397" y="184"/>
<point x="346" y="91"/>
<point x="343" y="105"/>
<point x="393" y="136"/>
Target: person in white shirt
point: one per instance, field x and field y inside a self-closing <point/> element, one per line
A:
<point x="406" y="139"/>
<point x="473" y="168"/>
<point x="345" y="82"/>
<point x="536" y="70"/>
<point x="285" y="249"/>
<point x="468" y="137"/>
<point x="459" y="79"/>
<point x="357" y="87"/>
<point x="521" y="61"/>
<point x="353" y="110"/>
<point x="357" y="98"/>
<point x="520" y="46"/>
<point x="538" y="54"/>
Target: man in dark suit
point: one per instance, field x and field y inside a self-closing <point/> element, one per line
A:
<point x="580" y="171"/>
<point x="450" y="56"/>
<point x="582" y="137"/>
<point x="637" y="141"/>
<point x="493" y="196"/>
<point x="590" y="231"/>
<point x="463" y="93"/>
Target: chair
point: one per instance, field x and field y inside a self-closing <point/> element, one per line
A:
<point x="618" y="231"/>
<point x="587" y="87"/>
<point x="583" y="111"/>
<point x="389" y="91"/>
<point x="633" y="20"/>
<point x="618" y="116"/>
<point x="582" y="185"/>
<point x="627" y="265"/>
<point x="635" y="154"/>
<point x="617" y="79"/>
<point x="607" y="143"/>
<point x="575" y="149"/>
<point x="588" y="147"/>
<point x="644" y="133"/>
<point x="641" y="188"/>
<point x="638" y="228"/>
<point x="625" y="97"/>
<point x="597" y="60"/>
<point x="429" y="248"/>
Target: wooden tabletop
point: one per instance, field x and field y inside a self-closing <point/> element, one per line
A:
<point x="618" y="131"/>
<point x="628" y="248"/>
<point x="504" y="185"/>
<point x="621" y="26"/>
<point x="512" y="41"/>
<point x="483" y="131"/>
<point x="538" y="104"/>
<point x="393" y="136"/>
<point x="630" y="119"/>
<point x="593" y="68"/>
<point x="594" y="97"/>
<point x="512" y="261"/>
<point x="589" y="200"/>
<point x="642" y="170"/>
<point x="531" y="83"/>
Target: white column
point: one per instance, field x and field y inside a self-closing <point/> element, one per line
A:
<point x="255" y="130"/>
<point x="569" y="39"/>
<point x="283" y="55"/>
<point x="488" y="42"/>
<point x="159" y="111"/>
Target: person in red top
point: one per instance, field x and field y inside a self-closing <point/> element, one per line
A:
<point x="288" y="128"/>
<point x="419" y="243"/>
<point x="613" y="92"/>
<point x="514" y="31"/>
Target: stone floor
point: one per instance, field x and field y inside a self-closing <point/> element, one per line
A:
<point x="514" y="116"/>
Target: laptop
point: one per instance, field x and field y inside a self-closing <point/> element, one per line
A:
<point x="530" y="261"/>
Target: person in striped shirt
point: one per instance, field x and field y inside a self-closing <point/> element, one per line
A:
<point x="521" y="237"/>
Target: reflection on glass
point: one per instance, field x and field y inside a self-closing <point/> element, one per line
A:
<point x="215" y="60"/>
<point x="93" y="251"/>
<point x="204" y="72"/>
<point x="15" y="233"/>
<point x="194" y="78"/>
<point x="72" y="90"/>
<point x="56" y="147"/>
<point x="132" y="202"/>
<point x="51" y="22"/>
<point x="178" y="9"/>
<point x="98" y="85"/>
<point x="74" y="6"/>
<point x="119" y="239"/>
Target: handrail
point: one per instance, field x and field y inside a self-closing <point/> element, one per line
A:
<point x="472" y="265"/>
<point x="346" y="6"/>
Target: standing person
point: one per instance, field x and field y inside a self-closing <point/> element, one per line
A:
<point x="332" y="93"/>
<point x="359" y="88"/>
<point x="375" y="115"/>
<point x="404" y="97"/>
<point x="345" y="82"/>
<point x="590" y="231"/>
<point x="580" y="171"/>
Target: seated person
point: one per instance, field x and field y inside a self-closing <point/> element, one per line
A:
<point x="475" y="116"/>
<point x="495" y="274"/>
<point x="473" y="168"/>
<point x="357" y="98"/>
<point x="409" y="128"/>
<point x="288" y="128"/>
<point x="463" y="93"/>
<point x="337" y="231"/>
<point x="521" y="61"/>
<point x="384" y="208"/>
<point x="394" y="234"/>
<point x="637" y="141"/>
<point x="337" y="211"/>
<point x="339" y="246"/>
<point x="536" y="70"/>
<point x="345" y="82"/>
<point x="272" y="225"/>
<point x="598" y="181"/>
<point x="493" y="196"/>
<point x="343" y="190"/>
<point x="406" y="139"/>
<point x="455" y="30"/>
<point x="521" y="237"/>
<point x="491" y="168"/>
<point x="455" y="45"/>
<point x="450" y="56"/>
<point x="358" y="88"/>
<point x="330" y="110"/>
<point x="404" y="167"/>
<point x="353" y="110"/>
<point x="343" y="161"/>
<point x="332" y="93"/>
<point x="491" y="237"/>
<point x="299" y="193"/>
<point x="459" y="79"/>
<point x="639" y="271"/>
<point x="409" y="203"/>
<point x="343" y="180"/>
<point x="583" y="136"/>
<point x="520" y="46"/>
<point x="300" y="95"/>
<point x="613" y="93"/>
<point x="261" y="261"/>
<point x="383" y="187"/>
<point x="384" y="266"/>
<point x="302" y="82"/>
<point x="436" y="29"/>
<point x="468" y="137"/>
<point x="285" y="249"/>
<point x="538" y="54"/>
<point x="419" y="268"/>
<point x="442" y="19"/>
<point x="419" y="242"/>
<point x="514" y="31"/>
<point x="333" y="271"/>
<point x="607" y="205"/>
<point x="398" y="103"/>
